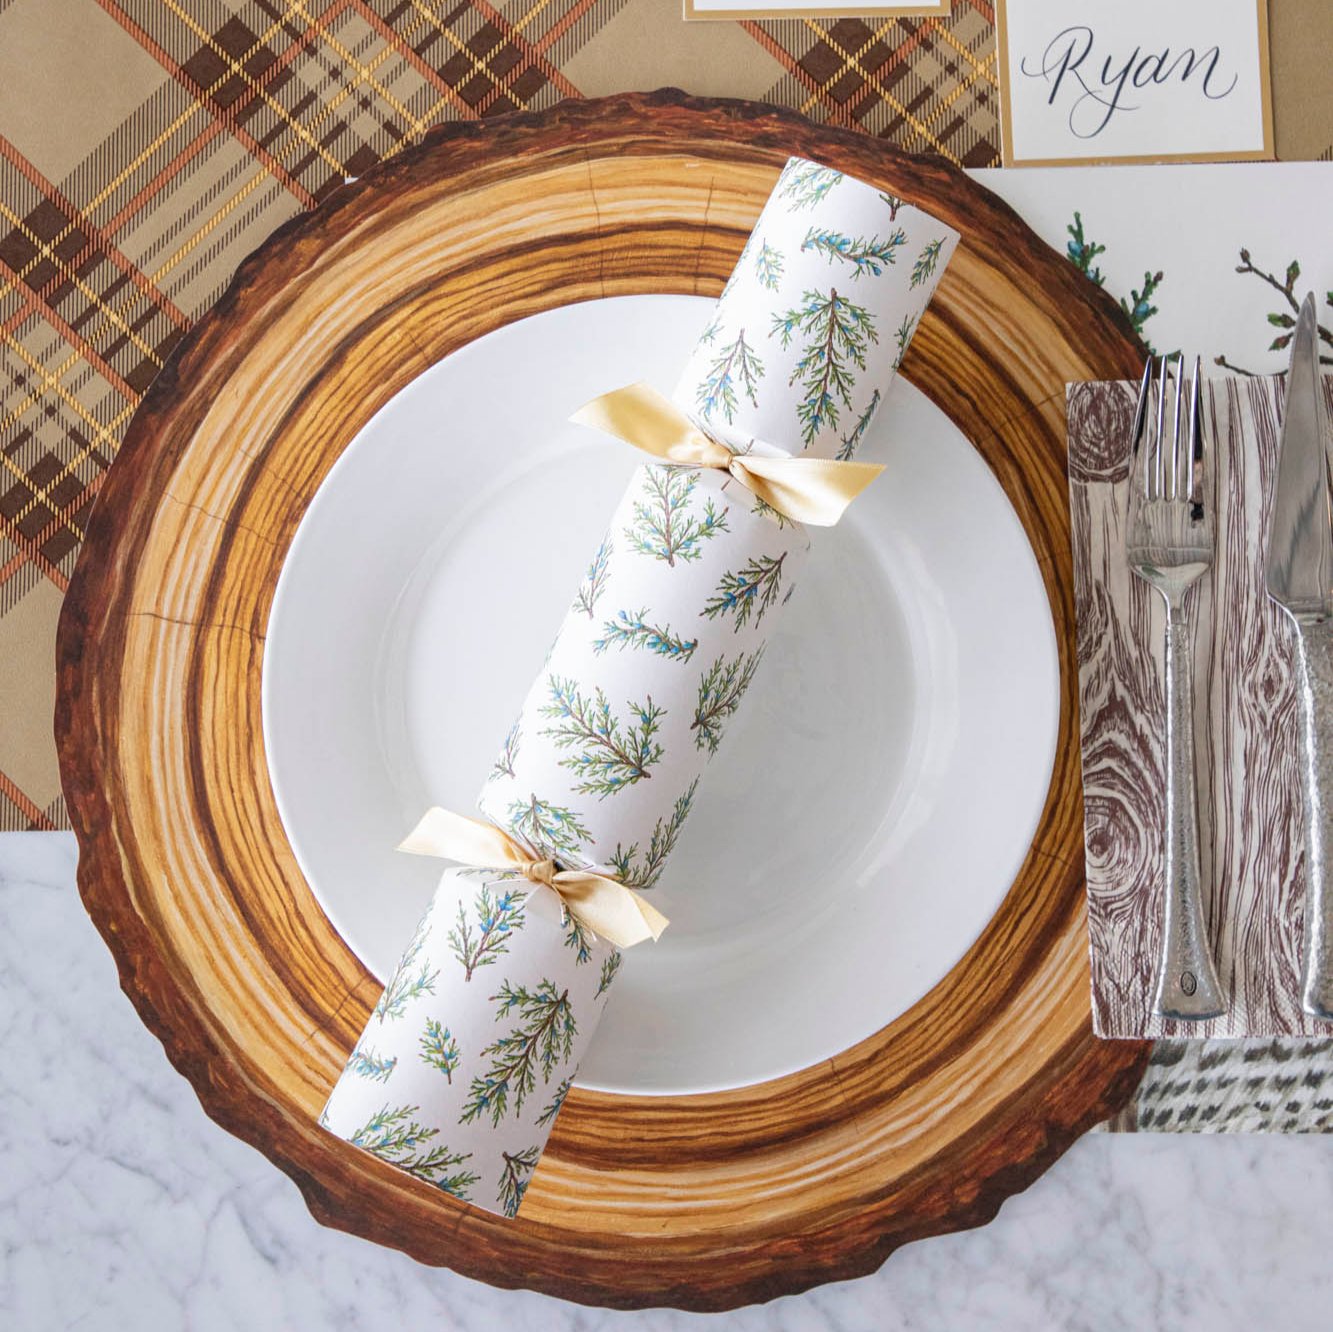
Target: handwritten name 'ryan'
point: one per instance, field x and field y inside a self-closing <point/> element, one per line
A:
<point x="1099" y="94"/>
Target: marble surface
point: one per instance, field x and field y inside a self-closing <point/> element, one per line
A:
<point x="122" y="1205"/>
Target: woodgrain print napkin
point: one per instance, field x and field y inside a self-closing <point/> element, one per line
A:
<point x="1245" y="727"/>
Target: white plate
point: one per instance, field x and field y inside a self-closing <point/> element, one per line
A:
<point x="871" y="805"/>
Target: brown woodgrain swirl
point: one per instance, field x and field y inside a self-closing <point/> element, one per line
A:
<point x="704" y="1202"/>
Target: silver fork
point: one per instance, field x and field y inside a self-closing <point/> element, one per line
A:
<point x="1170" y="547"/>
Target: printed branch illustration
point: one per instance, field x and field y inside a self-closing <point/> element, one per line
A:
<point x="439" y="1049"/>
<point x="407" y="982"/>
<point x="720" y="694"/>
<point x="1083" y="251"/>
<point x="367" y="1064"/>
<point x="768" y="264"/>
<point x="580" y="938"/>
<point x="806" y="184"/>
<point x="514" y="1177"/>
<point x="643" y="874"/>
<point x="594" y="581"/>
<point x="498" y="916"/>
<point x="606" y="758"/>
<point x="926" y="262"/>
<point x="663" y="526"/>
<point x="631" y="629"/>
<point x="552" y="829"/>
<point x="894" y="204"/>
<point x="609" y="969"/>
<point x="837" y="336"/>
<point x="737" y="365"/>
<point x="714" y="325"/>
<point x="543" y="1036"/>
<point x="552" y="1108"/>
<point x="865" y="256"/>
<point x="850" y="442"/>
<point x="737" y="269"/>
<point x="1283" y="320"/>
<point x="504" y="765"/>
<point x="902" y="337"/>
<point x="754" y="589"/>
<point x="394" y="1136"/>
<point x="762" y="506"/>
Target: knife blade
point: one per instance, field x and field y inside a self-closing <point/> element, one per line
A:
<point x="1299" y="569"/>
<point x="1300" y="544"/>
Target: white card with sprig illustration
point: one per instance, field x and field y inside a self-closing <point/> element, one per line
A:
<point x="662" y="640"/>
<point x="465" y="1062"/>
<point x="816" y="317"/>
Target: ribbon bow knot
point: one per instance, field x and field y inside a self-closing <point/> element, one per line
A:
<point x="807" y="490"/>
<point x="606" y="906"/>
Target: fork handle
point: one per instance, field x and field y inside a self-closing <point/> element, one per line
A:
<point x="1315" y="690"/>
<point x="1187" y="985"/>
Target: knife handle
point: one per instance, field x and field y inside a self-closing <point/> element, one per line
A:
<point x="1187" y="985"/>
<point x="1315" y="690"/>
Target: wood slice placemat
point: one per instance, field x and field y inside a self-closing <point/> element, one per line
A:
<point x="708" y="1201"/>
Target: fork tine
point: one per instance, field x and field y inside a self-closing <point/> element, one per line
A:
<point x="1179" y="449"/>
<point x="1196" y="436"/>
<point x="1141" y="411"/>
<point x="1159" y="452"/>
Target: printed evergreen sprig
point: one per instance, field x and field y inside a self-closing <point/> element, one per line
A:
<point x="594" y="580"/>
<point x="365" y="1063"/>
<point x="837" y="334"/>
<point x="543" y="1037"/>
<point x="514" y="1177"/>
<point x="750" y="590"/>
<point x="580" y="938"/>
<point x="636" y="873"/>
<point x="395" y="1136"/>
<point x="609" y="969"/>
<point x="737" y="365"/>
<point x="663" y="525"/>
<point x="552" y="1107"/>
<point x="498" y="916"/>
<point x="407" y="982"/>
<point x="768" y="265"/>
<point x="807" y="184"/>
<point x="850" y="442"/>
<point x="606" y="757"/>
<point x="549" y="828"/>
<point x="871" y="256"/>
<point x="631" y="629"/>
<point x="720" y="694"/>
<point x="894" y="204"/>
<point x="926" y="262"/>
<point x="1282" y="320"/>
<point x="504" y="765"/>
<point x="903" y="337"/>
<point x="439" y="1049"/>
<point x="762" y="506"/>
<point x="1082" y="251"/>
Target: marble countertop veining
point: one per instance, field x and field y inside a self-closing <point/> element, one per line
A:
<point x="124" y="1206"/>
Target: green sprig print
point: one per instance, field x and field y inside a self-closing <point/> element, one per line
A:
<point x="837" y="334"/>
<point x="504" y="765"/>
<point x="610" y="968"/>
<point x="664" y="526"/>
<point x="552" y="1107"/>
<point x="594" y="580"/>
<point x="720" y="694"/>
<point x="631" y="629"/>
<point x="806" y="183"/>
<point x="637" y="872"/>
<point x="736" y="366"/>
<point x="542" y="1037"/>
<point x="408" y="981"/>
<point x="607" y="756"/>
<point x="498" y="915"/>
<point x="871" y="256"/>
<point x="768" y="265"/>
<point x="551" y="829"/>
<point x="751" y="590"/>
<point x="439" y="1049"/>
<point x="515" y="1175"/>
<point x="365" y="1063"/>
<point x="850" y="442"/>
<point x="395" y="1136"/>
<point x="926" y="262"/>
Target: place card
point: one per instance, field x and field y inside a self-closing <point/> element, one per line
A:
<point x="1086" y="81"/>
<point x="780" y="9"/>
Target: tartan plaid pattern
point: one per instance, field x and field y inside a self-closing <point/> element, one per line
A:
<point x="146" y="146"/>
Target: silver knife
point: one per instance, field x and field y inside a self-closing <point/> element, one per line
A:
<point x="1300" y="580"/>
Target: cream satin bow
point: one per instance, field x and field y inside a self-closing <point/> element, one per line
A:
<point x="607" y="907"/>
<point x="808" y="490"/>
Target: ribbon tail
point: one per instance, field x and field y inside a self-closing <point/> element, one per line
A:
<point x="814" y="491"/>
<point x="455" y="837"/>
<point x="609" y="909"/>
